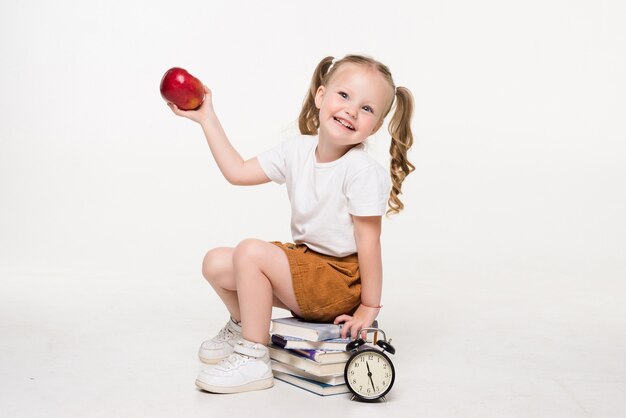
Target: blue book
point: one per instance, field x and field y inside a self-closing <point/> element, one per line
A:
<point x="322" y="356"/>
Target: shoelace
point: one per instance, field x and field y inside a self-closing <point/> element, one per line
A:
<point x="234" y="360"/>
<point x="225" y="334"/>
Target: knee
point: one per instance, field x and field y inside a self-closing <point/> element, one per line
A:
<point x="248" y="250"/>
<point x="214" y="263"/>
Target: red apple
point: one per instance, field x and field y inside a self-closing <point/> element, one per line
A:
<point x="182" y="89"/>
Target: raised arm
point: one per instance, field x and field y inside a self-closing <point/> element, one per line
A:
<point x="367" y="234"/>
<point x="235" y="169"/>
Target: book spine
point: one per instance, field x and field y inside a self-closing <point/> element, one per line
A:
<point x="279" y="341"/>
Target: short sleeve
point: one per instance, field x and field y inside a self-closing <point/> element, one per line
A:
<point x="274" y="163"/>
<point x="368" y="191"/>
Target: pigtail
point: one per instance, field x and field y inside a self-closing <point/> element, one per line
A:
<point x="401" y="142"/>
<point x="308" y="121"/>
<point x="399" y="126"/>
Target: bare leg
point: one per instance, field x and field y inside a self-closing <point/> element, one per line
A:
<point x="263" y="277"/>
<point x="218" y="270"/>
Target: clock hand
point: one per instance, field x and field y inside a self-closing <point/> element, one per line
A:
<point x="369" y="374"/>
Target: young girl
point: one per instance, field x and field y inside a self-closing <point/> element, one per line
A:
<point x="338" y="195"/>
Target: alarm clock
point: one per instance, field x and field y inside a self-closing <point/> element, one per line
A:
<point x="369" y="372"/>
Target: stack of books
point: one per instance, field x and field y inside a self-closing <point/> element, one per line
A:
<point x="309" y="355"/>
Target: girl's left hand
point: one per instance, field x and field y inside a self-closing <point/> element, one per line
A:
<point x="363" y="318"/>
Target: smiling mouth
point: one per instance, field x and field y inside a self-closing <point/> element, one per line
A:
<point x="344" y="123"/>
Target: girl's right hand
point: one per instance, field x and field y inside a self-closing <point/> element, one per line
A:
<point x="200" y="114"/>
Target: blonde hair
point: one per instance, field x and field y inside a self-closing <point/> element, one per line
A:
<point x="399" y="126"/>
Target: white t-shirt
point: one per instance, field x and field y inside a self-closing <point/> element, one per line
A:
<point x="324" y="195"/>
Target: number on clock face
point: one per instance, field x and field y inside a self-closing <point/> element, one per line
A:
<point x="370" y="374"/>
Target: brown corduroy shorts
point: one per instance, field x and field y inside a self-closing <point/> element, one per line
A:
<point x="325" y="286"/>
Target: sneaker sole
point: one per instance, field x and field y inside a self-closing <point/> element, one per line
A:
<point x="256" y="385"/>
<point x="211" y="360"/>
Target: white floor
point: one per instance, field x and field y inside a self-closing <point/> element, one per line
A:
<point x="514" y="346"/>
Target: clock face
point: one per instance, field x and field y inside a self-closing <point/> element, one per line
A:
<point x="369" y="374"/>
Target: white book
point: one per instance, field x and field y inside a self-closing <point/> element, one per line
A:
<point x="303" y="363"/>
<point x="333" y="380"/>
<point x="311" y="331"/>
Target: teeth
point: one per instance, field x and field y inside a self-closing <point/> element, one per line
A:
<point x="345" y="124"/>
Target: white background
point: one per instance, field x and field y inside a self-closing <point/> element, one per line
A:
<point x="520" y="139"/>
<point x="520" y="148"/>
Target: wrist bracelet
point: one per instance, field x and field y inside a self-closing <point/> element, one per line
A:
<point x="373" y="307"/>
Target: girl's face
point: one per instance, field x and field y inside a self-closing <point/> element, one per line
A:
<point x="352" y="104"/>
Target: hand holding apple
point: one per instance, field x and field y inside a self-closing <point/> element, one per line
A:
<point x="182" y="89"/>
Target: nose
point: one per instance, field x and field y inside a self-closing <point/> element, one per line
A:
<point x="351" y="112"/>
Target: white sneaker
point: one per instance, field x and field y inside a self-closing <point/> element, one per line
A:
<point x="221" y="346"/>
<point x="248" y="368"/>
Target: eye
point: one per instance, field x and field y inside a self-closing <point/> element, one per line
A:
<point x="343" y="94"/>
<point x="368" y="109"/>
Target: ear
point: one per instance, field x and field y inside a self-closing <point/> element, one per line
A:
<point x="319" y="95"/>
